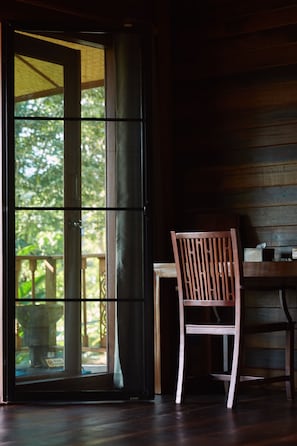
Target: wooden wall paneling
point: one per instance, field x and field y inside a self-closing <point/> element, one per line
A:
<point x="274" y="341"/>
<point x="244" y="179"/>
<point x="265" y="196"/>
<point x="266" y="136"/>
<point x="214" y="197"/>
<point x="235" y="132"/>
<point x="263" y="360"/>
<point x="252" y="176"/>
<point x="266" y="350"/>
<point x="279" y="236"/>
<point x="229" y="8"/>
<point x="269" y="298"/>
<point x="201" y="154"/>
<point x="61" y="12"/>
<point x="258" y="215"/>
<point x="267" y="314"/>
<point x="218" y="18"/>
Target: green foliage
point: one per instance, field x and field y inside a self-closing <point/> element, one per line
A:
<point x="25" y="282"/>
<point x="25" y="250"/>
<point x="39" y="181"/>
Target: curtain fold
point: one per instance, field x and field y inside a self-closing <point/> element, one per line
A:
<point x="129" y="220"/>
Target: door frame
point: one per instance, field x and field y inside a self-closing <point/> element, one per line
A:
<point x="9" y="272"/>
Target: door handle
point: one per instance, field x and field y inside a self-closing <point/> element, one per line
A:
<point x="75" y="223"/>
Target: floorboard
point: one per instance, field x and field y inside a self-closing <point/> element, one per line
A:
<point x="259" y="420"/>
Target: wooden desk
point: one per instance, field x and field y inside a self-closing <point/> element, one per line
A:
<point x="161" y="270"/>
<point x="270" y="275"/>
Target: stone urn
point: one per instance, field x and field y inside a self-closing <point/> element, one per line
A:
<point x="39" y="324"/>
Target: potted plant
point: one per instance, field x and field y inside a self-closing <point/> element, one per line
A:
<point x="39" y="324"/>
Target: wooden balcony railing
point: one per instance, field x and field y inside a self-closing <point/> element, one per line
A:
<point x="42" y="277"/>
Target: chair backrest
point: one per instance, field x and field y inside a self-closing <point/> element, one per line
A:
<point x="209" y="268"/>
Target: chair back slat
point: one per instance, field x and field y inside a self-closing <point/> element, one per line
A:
<point x="205" y="267"/>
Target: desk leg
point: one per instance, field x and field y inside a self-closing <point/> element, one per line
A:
<point x="157" y="334"/>
<point x="284" y="305"/>
<point x="290" y="385"/>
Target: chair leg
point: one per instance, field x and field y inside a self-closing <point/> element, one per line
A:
<point x="235" y="373"/>
<point x="181" y="370"/>
<point x="225" y="361"/>
<point x="290" y="384"/>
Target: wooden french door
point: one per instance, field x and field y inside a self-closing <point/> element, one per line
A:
<point x="57" y="177"/>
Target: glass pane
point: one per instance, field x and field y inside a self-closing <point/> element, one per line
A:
<point x="35" y="78"/>
<point x="94" y="233"/>
<point x="93" y="99"/>
<point x="94" y="313"/>
<point x="39" y="339"/>
<point x="39" y="276"/>
<point x="39" y="155"/>
<point x="93" y="160"/>
<point x="94" y="337"/>
<point x="39" y="254"/>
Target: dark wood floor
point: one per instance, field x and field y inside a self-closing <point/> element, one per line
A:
<point x="259" y="420"/>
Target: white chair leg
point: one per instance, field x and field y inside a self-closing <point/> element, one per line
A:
<point x="225" y="360"/>
<point x="181" y="370"/>
<point x="235" y="373"/>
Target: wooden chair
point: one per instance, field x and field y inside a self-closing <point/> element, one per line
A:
<point x="210" y="274"/>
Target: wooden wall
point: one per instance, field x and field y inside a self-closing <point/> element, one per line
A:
<point x="235" y="114"/>
<point x="235" y="126"/>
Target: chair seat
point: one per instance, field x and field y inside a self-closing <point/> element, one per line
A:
<point x="229" y="329"/>
<point x="219" y="329"/>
